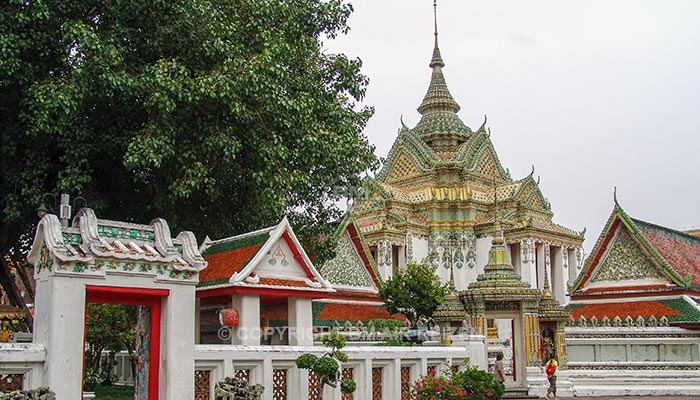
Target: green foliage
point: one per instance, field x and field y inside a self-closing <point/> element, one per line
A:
<point x="218" y="116"/>
<point x="90" y="379"/>
<point x="108" y="326"/>
<point x="386" y="325"/>
<point x="470" y="384"/>
<point x="327" y="367"/>
<point x="415" y="292"/>
<point x="334" y="339"/>
<point x="480" y="385"/>
<point x="306" y="361"/>
<point x="348" y="386"/>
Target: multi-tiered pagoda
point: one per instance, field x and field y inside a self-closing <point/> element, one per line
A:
<point x="440" y="192"/>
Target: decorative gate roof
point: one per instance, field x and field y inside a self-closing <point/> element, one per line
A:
<point x="97" y="246"/>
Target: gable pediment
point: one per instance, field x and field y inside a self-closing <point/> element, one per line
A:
<point x="626" y="260"/>
<point x="403" y="168"/>
<point x="347" y="269"/>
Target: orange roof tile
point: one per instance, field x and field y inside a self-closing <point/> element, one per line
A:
<point x="223" y="265"/>
<point x="634" y="309"/>
<point x="354" y="312"/>
<point x="282" y="282"/>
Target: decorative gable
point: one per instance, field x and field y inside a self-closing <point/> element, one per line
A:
<point x="403" y="168"/>
<point x="487" y="164"/>
<point x="626" y="261"/>
<point x="347" y="268"/>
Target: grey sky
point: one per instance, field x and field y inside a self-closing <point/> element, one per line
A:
<point x="595" y="94"/>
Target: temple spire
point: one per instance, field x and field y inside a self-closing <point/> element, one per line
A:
<point x="438" y="97"/>
<point x="437" y="58"/>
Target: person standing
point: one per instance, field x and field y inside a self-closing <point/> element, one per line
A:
<point x="498" y="371"/>
<point x="551" y="370"/>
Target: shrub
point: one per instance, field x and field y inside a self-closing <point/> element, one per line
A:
<point x="470" y="384"/>
<point x="42" y="393"/>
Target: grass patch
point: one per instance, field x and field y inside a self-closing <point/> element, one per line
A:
<point x="114" y="393"/>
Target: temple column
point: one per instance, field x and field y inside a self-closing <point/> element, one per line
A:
<point x="300" y="321"/>
<point x="558" y="274"/>
<point x="528" y="266"/>
<point x="541" y="255"/>
<point x="248" y="330"/>
<point x="575" y="256"/>
<point x="384" y="259"/>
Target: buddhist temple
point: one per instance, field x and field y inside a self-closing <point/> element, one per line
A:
<point x="639" y="270"/>
<point x="436" y="202"/>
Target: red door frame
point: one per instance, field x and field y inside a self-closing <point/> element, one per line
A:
<point x="138" y="297"/>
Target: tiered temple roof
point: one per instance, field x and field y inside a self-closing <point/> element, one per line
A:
<point x="639" y="269"/>
<point x="442" y="163"/>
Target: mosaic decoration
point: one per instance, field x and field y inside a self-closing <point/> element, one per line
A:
<point x="279" y="384"/>
<point x="202" y="384"/>
<point x="527" y="250"/>
<point x="625" y="261"/>
<point x="377" y="383"/>
<point x="405" y="380"/>
<point x="453" y="248"/>
<point x="142" y="351"/>
<point x="384" y="256"/>
<point x="278" y="256"/>
<point x="346" y="268"/>
<point x="125" y="233"/>
<point x="409" y="248"/>
<point x="565" y="257"/>
<point x="403" y="168"/>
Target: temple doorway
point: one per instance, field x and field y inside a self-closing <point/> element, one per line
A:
<point x="146" y="320"/>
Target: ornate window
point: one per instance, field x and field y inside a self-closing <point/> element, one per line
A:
<point x="377" y="383"/>
<point x="279" y="384"/>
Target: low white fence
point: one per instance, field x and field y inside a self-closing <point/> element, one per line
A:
<point x="22" y="365"/>
<point x="378" y="370"/>
<point x="633" y="361"/>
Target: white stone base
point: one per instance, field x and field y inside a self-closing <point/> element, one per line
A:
<point x="537" y="383"/>
<point x="629" y="382"/>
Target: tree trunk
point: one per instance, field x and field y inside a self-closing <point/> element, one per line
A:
<point x="9" y="236"/>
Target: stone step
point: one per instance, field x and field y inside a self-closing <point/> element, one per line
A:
<point x="518" y="394"/>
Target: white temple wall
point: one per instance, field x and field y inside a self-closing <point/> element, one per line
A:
<point x="483" y="245"/>
<point x="633" y="361"/>
<point x="419" y="249"/>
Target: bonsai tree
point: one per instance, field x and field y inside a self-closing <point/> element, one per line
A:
<point x="327" y="367"/>
<point x="415" y="292"/>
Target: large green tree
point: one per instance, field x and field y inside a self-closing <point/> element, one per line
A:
<point x="415" y="292"/>
<point x="220" y="116"/>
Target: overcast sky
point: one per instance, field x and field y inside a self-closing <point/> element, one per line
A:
<point x="595" y="94"/>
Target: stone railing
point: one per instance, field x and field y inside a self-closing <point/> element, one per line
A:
<point x="374" y="368"/>
<point x="21" y="366"/>
<point x="633" y="360"/>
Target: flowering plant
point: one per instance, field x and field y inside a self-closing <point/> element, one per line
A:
<point x="431" y="387"/>
<point x="470" y="384"/>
